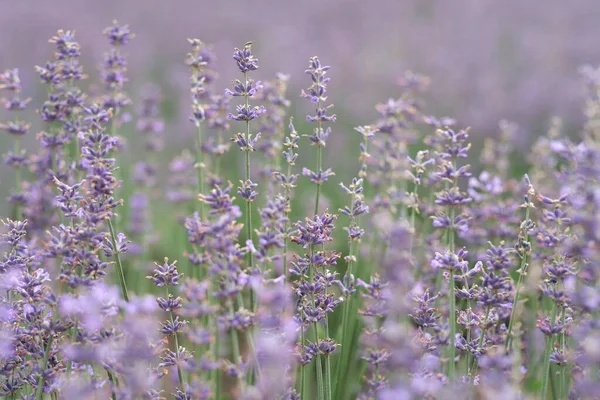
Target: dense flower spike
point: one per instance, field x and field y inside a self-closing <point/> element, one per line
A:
<point x="10" y="82"/>
<point x="114" y="68"/>
<point x="316" y="94"/>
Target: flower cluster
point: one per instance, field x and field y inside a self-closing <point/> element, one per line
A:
<point x="446" y="280"/>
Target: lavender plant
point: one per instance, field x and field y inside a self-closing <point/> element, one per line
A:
<point x="457" y="281"/>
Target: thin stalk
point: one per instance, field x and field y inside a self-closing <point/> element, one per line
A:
<point x="319" y="167"/>
<point x="328" y="378"/>
<point x="235" y="347"/>
<point x="343" y="360"/>
<point x="250" y="340"/>
<point x="176" y="342"/>
<point x="39" y="393"/>
<point x="452" y="315"/>
<point x="318" y="363"/>
<point x="248" y="204"/>
<point x="343" y="355"/>
<point x="452" y="321"/>
<point x="319" y="368"/>
<point x="479" y="346"/>
<point x="219" y="155"/>
<point x="120" y="272"/>
<point x="17" y="150"/>
<point x="522" y="274"/>
<point x="564" y="379"/>
<point x="327" y="360"/>
<point x="413" y="213"/>
<point x="200" y="168"/>
<point x="287" y="222"/>
<point x="468" y="355"/>
<point x="73" y="338"/>
<point x="319" y="161"/>
<point x="546" y="363"/>
<point x="216" y="373"/>
<point x="113" y="384"/>
<point x="302" y="370"/>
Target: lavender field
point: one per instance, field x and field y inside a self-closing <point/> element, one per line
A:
<point x="248" y="237"/>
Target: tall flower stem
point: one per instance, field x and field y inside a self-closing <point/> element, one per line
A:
<point x="564" y="379"/>
<point x="216" y="373"/>
<point x="302" y="367"/>
<point x="120" y="272"/>
<point x="176" y="343"/>
<point x="546" y="362"/>
<point x="286" y="238"/>
<point x="200" y="168"/>
<point x="17" y="150"/>
<point x="480" y="347"/>
<point x="522" y="274"/>
<point x="39" y="393"/>
<point x="319" y="170"/>
<point x="248" y="203"/>
<point x="113" y="384"/>
<point x="327" y="382"/>
<point x="452" y="299"/>
<point x="219" y="154"/>
<point x="235" y="348"/>
<point x="318" y="363"/>
<point x="344" y="338"/>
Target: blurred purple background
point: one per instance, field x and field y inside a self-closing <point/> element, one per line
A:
<point x="489" y="59"/>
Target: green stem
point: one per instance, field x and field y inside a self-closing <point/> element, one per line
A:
<point x="219" y="155"/>
<point x="328" y="378"/>
<point x="475" y="361"/>
<point x="319" y="167"/>
<point x="318" y="363"/>
<point x="345" y="351"/>
<point x="176" y="342"/>
<point x="73" y="338"/>
<point x="120" y="272"/>
<point x="522" y="274"/>
<point x="39" y="393"/>
<point x="564" y="379"/>
<point x="287" y="221"/>
<point x="248" y="204"/>
<point x="235" y="347"/>
<point x="327" y="360"/>
<point x="546" y="364"/>
<point x="113" y="384"/>
<point x="200" y="168"/>
<point x="452" y="321"/>
<point x="216" y="373"/>
<point x="452" y="289"/>
<point x="302" y="367"/>
<point x="17" y="150"/>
